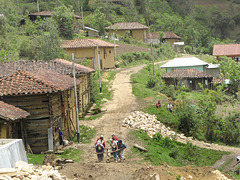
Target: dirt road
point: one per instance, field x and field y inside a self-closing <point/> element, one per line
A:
<point x="120" y="107"/>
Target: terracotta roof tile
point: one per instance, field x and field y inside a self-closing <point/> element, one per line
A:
<point x="58" y="65"/>
<point x="42" y="81"/>
<point x="186" y="73"/>
<point x="10" y="112"/>
<point x="226" y="49"/>
<point x="86" y="43"/>
<point x="127" y="26"/>
<point x="154" y="35"/>
<point x="170" y="35"/>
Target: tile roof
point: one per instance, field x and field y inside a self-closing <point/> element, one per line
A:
<point x="186" y="73"/>
<point x="58" y="65"/>
<point x="127" y="26"/>
<point x="48" y="14"/>
<point x="183" y="62"/>
<point x="170" y="35"/>
<point x="154" y="35"/>
<point x="86" y="43"/>
<point x="40" y="82"/>
<point x="68" y="66"/>
<point x="226" y="49"/>
<point x="10" y="112"/>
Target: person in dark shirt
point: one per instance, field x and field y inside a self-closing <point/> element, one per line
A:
<point x="60" y="137"/>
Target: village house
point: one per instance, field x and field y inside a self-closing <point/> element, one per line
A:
<point x="129" y="29"/>
<point x="11" y="121"/>
<point x="44" y="15"/>
<point x="229" y="50"/>
<point x="190" y="71"/>
<point x="171" y="38"/>
<point x="49" y="98"/>
<point x="87" y="48"/>
<point x="61" y="66"/>
<point x="154" y="36"/>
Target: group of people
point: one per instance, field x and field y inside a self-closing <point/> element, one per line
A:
<point x="116" y="147"/>
<point x="169" y="106"/>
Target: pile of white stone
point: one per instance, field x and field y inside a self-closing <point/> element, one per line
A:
<point x="25" y="171"/>
<point x="150" y="124"/>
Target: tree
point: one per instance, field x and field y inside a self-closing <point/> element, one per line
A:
<point x="97" y="20"/>
<point x="64" y="18"/>
<point x="48" y="44"/>
<point x="231" y="70"/>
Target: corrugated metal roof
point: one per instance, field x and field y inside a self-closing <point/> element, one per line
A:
<point x="40" y="82"/>
<point x="213" y="66"/>
<point x="91" y="29"/>
<point x="226" y="49"/>
<point x="10" y="112"/>
<point x="127" y="26"/>
<point x="186" y="73"/>
<point x="183" y="62"/>
<point x="86" y="43"/>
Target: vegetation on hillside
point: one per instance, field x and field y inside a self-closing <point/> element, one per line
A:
<point x="200" y="27"/>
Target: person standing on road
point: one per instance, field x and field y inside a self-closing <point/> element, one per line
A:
<point x="114" y="149"/>
<point x="101" y="141"/>
<point x="100" y="151"/>
<point x="121" y="147"/>
<point x="114" y="137"/>
<point x="60" y="137"/>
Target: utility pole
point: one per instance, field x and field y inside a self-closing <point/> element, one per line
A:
<point x="76" y="102"/>
<point x="150" y="42"/>
<point x="115" y="53"/>
<point x="37" y="6"/>
<point x="82" y="14"/>
<point x="99" y="73"/>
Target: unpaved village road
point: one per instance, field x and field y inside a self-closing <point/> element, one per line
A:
<point x="120" y="107"/>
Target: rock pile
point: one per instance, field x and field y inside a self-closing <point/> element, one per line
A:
<point x="150" y="124"/>
<point x="25" y="171"/>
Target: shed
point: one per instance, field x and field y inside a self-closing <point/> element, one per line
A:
<point x="11" y="121"/>
<point x="87" y="48"/>
<point x="229" y="50"/>
<point x="154" y="36"/>
<point x="91" y="32"/>
<point x="49" y="98"/>
<point x="130" y="29"/>
<point x="171" y="37"/>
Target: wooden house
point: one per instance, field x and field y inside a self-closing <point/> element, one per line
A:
<point x="87" y="48"/>
<point x="190" y="71"/>
<point x="129" y="29"/>
<point x="171" y="38"/>
<point x="61" y="66"/>
<point x="229" y="50"/>
<point x="49" y="98"/>
<point x="11" y="121"/>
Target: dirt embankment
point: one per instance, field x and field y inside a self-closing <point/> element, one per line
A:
<point x="120" y="107"/>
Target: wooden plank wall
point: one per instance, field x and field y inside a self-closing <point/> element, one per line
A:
<point x="37" y="123"/>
